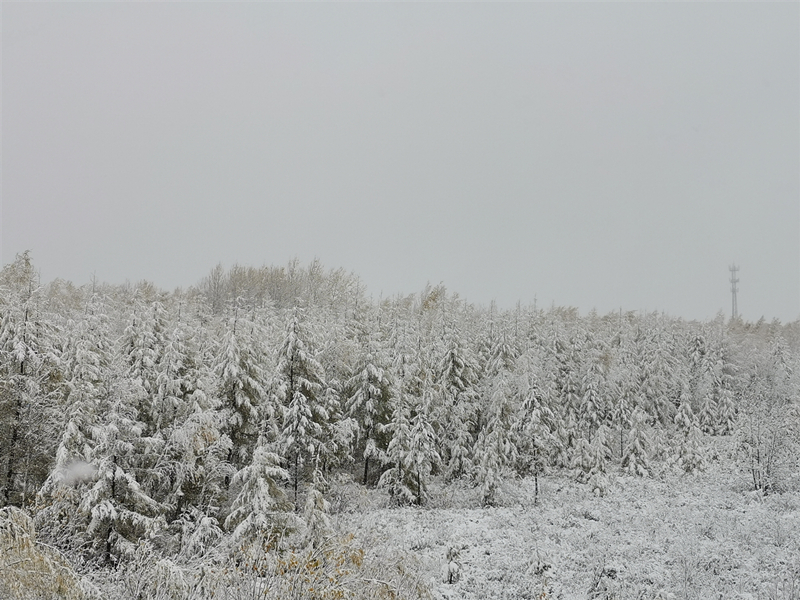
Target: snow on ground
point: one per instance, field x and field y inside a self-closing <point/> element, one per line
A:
<point x="703" y="536"/>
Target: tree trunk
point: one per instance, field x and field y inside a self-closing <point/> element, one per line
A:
<point x="11" y="452"/>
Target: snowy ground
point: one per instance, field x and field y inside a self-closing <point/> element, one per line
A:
<point x="703" y="537"/>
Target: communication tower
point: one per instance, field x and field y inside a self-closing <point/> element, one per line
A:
<point x="734" y="288"/>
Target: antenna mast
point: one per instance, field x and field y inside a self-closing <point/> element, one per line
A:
<point x="734" y="288"/>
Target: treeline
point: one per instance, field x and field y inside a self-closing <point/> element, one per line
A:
<point x="132" y="415"/>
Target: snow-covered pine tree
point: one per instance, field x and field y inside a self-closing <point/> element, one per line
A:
<point x="143" y="344"/>
<point x="457" y="390"/>
<point x="636" y="456"/>
<point x="259" y="508"/>
<point x="191" y="423"/>
<point x="623" y="384"/>
<point x="422" y="457"/>
<point x="398" y="478"/>
<point x="567" y="360"/>
<point x="369" y="401"/>
<point x="725" y="382"/>
<point x="242" y="381"/>
<point x="592" y="407"/>
<point x="93" y="497"/>
<point x="301" y="389"/>
<point x="657" y="385"/>
<point x="28" y="370"/>
<point x="533" y="425"/>
<point x="701" y="380"/>
<point x="318" y="529"/>
<point x="594" y="456"/>
<point x="495" y="451"/>
<point x="688" y="455"/>
<point x="119" y="509"/>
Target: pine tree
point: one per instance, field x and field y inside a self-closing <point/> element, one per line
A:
<point x="724" y="383"/>
<point x="533" y="425"/>
<point x="259" y="506"/>
<point x="143" y="346"/>
<point x="412" y="454"/>
<point x="369" y="402"/>
<point x="635" y="458"/>
<point x="657" y="387"/>
<point x="318" y="528"/>
<point x="456" y="388"/>
<point x="240" y="370"/>
<point x="118" y="509"/>
<point x="301" y="389"/>
<point x="567" y="379"/>
<point x="495" y="451"/>
<point x="398" y="478"/>
<point x="28" y="375"/>
<point x="593" y="458"/>
<point x="624" y="391"/>
<point x="94" y="493"/>
<point x="192" y="424"/>
<point x="689" y="455"/>
<point x="592" y="404"/>
<point x="422" y="457"/>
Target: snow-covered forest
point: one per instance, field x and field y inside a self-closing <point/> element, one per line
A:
<point x="247" y="437"/>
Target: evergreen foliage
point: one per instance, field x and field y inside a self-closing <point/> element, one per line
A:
<point x="137" y="423"/>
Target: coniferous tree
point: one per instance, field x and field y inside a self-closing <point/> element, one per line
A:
<point x="369" y="402"/>
<point x="192" y="424"/>
<point x="592" y="404"/>
<point x="398" y="477"/>
<point x="241" y="376"/>
<point x="495" y="451"/>
<point x="723" y="386"/>
<point x="259" y="506"/>
<point x="534" y="423"/>
<point x="456" y="388"/>
<point x="300" y="389"/>
<point x="624" y="392"/>
<point x="567" y="362"/>
<point x="28" y="378"/>
<point x="688" y="454"/>
<point x="594" y="456"/>
<point x="94" y="494"/>
<point x="636" y="456"/>
<point x="422" y="458"/>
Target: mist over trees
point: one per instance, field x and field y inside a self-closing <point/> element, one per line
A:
<point x="137" y="422"/>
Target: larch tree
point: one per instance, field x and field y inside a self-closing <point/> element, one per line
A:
<point x="688" y="455"/>
<point x="534" y="423"/>
<point x="369" y="393"/>
<point x="192" y="423"/>
<point x="28" y="375"/>
<point x="259" y="507"/>
<point x="457" y="393"/>
<point x="495" y="451"/>
<point x="300" y="388"/>
<point x="242" y="386"/>
<point x="636" y="455"/>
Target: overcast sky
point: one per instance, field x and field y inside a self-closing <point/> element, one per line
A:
<point x="592" y="155"/>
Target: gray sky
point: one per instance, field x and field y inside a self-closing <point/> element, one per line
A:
<point x="592" y="155"/>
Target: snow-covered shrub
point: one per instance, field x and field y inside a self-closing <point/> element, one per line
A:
<point x="31" y="570"/>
